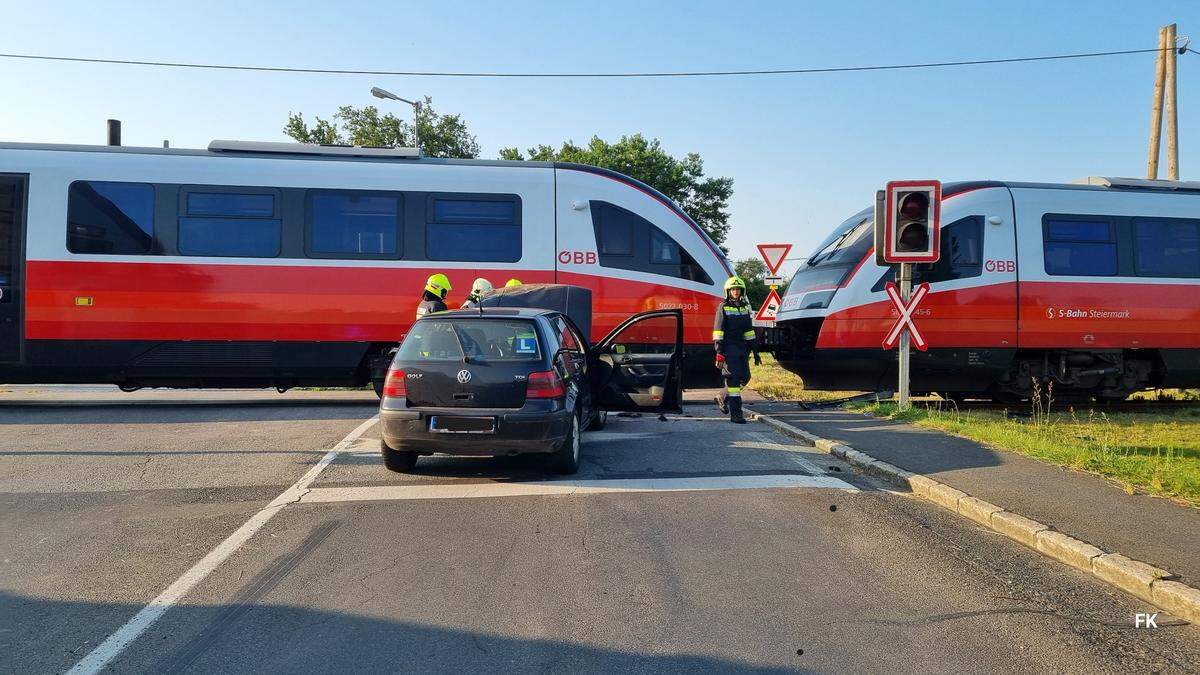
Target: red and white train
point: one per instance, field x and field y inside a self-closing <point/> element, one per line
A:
<point x="273" y="264"/>
<point x="1094" y="286"/>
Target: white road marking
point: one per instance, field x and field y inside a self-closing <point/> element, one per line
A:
<point x="796" y="455"/>
<point x="606" y="436"/>
<point x="567" y="487"/>
<point x="106" y="651"/>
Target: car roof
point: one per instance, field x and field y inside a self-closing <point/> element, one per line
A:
<point x="493" y="313"/>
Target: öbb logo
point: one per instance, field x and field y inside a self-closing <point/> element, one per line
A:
<point x="577" y="257"/>
<point x="1000" y="266"/>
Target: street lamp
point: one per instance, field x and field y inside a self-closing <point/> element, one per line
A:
<point x="382" y="93"/>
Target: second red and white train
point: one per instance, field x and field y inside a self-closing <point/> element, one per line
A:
<point x="1092" y="286"/>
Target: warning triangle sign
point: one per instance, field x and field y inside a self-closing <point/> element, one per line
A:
<point x="770" y="307"/>
<point x="773" y="255"/>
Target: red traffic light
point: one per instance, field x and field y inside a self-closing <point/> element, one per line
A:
<point x="907" y="219"/>
<point x="915" y="205"/>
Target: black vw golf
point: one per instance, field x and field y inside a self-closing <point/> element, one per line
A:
<point x="507" y="381"/>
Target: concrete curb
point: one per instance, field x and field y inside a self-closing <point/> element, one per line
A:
<point x="1152" y="584"/>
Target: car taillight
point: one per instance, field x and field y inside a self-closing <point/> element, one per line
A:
<point x="545" y="384"/>
<point x="395" y="385"/>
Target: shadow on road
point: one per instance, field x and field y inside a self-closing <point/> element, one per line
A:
<point x="248" y="637"/>
<point x="920" y="450"/>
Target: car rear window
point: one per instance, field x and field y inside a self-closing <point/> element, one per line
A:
<point x="481" y="339"/>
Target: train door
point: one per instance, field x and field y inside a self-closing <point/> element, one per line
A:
<point x="577" y="255"/>
<point x="12" y="258"/>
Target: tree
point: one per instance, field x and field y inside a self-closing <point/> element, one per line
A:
<point x="441" y="135"/>
<point x="705" y="199"/>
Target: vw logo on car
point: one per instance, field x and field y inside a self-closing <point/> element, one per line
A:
<point x="464" y="376"/>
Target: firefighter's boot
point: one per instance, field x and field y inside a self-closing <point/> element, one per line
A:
<point x="735" y="409"/>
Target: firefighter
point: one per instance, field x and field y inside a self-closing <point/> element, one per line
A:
<point x="480" y="288"/>
<point x="733" y="337"/>
<point x="512" y="282"/>
<point x="437" y="287"/>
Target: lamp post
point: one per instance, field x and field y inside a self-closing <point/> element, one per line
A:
<point x="382" y="93"/>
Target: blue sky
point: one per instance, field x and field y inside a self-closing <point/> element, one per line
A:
<point x="805" y="151"/>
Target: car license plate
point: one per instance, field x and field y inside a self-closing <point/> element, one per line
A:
<point x="462" y="425"/>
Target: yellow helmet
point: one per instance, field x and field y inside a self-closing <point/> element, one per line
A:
<point x="735" y="282"/>
<point x="512" y="282"/>
<point x="439" y="285"/>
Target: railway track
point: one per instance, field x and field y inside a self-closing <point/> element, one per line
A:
<point x="1026" y="408"/>
<point x="1018" y="408"/>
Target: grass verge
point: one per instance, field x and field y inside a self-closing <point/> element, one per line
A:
<point x="772" y="381"/>
<point x="1157" y="454"/>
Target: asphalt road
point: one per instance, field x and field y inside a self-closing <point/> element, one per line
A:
<point x="477" y="564"/>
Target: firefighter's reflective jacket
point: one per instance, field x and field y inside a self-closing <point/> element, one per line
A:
<point x="733" y="328"/>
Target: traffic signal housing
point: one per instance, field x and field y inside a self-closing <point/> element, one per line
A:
<point x="907" y="222"/>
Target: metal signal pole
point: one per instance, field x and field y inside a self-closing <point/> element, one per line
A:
<point x="905" y="293"/>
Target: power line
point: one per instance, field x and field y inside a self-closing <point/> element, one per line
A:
<point x="700" y="73"/>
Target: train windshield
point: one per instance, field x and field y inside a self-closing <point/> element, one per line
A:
<point x="834" y="258"/>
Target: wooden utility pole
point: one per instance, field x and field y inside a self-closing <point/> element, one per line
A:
<point x="1160" y="71"/>
<point x="1172" y="108"/>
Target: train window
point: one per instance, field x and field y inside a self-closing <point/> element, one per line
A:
<point x="845" y="247"/>
<point x="668" y="257"/>
<point x="353" y="223"/>
<point x="614" y="229"/>
<point x="663" y="249"/>
<point x="1079" y="230"/>
<point x="229" y="237"/>
<point x="1079" y="246"/>
<point x="474" y="228"/>
<point x="110" y="218"/>
<point x="961" y="255"/>
<point x="617" y="230"/>
<point x="474" y="211"/>
<point x="229" y="223"/>
<point x="1167" y="247"/>
<point x="230" y="204"/>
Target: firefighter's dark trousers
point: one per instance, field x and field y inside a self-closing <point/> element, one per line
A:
<point x="736" y="373"/>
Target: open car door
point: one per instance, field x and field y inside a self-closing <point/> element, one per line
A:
<point x="639" y="365"/>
